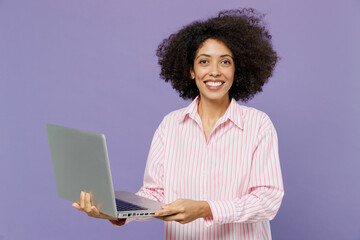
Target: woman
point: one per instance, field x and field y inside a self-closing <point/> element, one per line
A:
<point x="215" y="162"/>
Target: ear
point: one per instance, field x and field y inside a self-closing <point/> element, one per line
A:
<point x="192" y="73"/>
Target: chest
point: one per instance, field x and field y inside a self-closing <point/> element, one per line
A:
<point x="207" y="129"/>
<point x="200" y="169"/>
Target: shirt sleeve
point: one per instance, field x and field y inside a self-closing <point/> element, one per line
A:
<point x="153" y="187"/>
<point x="265" y="191"/>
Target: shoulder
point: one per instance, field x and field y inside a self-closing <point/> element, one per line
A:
<point x="172" y="119"/>
<point x="254" y="118"/>
<point x="175" y="116"/>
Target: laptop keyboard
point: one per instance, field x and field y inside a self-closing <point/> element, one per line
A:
<point x="125" y="206"/>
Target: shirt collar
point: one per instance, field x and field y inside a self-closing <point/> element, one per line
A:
<point x="190" y="110"/>
<point x="233" y="113"/>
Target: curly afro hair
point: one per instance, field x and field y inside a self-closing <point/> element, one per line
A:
<point x="242" y="31"/>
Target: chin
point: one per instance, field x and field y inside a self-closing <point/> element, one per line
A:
<point x="215" y="97"/>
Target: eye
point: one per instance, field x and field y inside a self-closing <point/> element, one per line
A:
<point x="226" y="62"/>
<point x="203" y="61"/>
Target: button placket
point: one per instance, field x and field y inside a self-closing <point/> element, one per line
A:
<point x="204" y="174"/>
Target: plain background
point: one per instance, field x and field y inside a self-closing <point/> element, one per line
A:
<point x="91" y="64"/>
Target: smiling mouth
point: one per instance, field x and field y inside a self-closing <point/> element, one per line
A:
<point x="214" y="83"/>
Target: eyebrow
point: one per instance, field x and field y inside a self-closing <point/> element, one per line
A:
<point x="207" y="55"/>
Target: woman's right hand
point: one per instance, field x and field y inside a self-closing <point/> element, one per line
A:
<point x="86" y="205"/>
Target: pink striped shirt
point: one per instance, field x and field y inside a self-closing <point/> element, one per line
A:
<point x="237" y="171"/>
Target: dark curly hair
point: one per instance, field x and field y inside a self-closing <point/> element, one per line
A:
<point x="242" y="31"/>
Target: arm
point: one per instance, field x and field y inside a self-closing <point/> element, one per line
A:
<point x="153" y="187"/>
<point x="185" y="211"/>
<point x="265" y="191"/>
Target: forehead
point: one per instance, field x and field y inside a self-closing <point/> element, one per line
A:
<point x="213" y="47"/>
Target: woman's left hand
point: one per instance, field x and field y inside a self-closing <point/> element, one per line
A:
<point x="184" y="211"/>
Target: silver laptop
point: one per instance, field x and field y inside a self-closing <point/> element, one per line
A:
<point x="80" y="163"/>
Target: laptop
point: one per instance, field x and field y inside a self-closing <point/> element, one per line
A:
<point x="80" y="162"/>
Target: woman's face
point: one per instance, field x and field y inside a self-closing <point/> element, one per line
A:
<point x="213" y="70"/>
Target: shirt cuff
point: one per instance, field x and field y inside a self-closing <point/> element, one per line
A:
<point x="222" y="211"/>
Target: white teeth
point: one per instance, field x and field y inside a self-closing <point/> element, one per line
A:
<point x="213" y="84"/>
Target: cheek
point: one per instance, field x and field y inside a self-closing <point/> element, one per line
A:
<point x="198" y="82"/>
<point x="202" y="74"/>
<point x="231" y="74"/>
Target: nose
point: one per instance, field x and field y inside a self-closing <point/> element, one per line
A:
<point x="214" y="70"/>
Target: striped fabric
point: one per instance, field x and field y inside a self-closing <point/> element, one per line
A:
<point x="237" y="171"/>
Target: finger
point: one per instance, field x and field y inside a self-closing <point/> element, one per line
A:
<point x="164" y="218"/>
<point x="91" y="199"/>
<point x="77" y="206"/>
<point x="102" y="215"/>
<point x="94" y="212"/>
<point x="176" y="203"/>
<point x="176" y="217"/>
<point x="88" y="203"/>
<point x="160" y="218"/>
<point x="172" y="204"/>
<point x="169" y="210"/>
<point x="82" y="199"/>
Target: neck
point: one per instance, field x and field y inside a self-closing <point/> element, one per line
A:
<point x="212" y="110"/>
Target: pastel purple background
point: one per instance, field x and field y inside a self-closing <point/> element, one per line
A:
<point x="92" y="65"/>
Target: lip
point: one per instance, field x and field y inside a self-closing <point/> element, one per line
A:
<point x="214" y="88"/>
